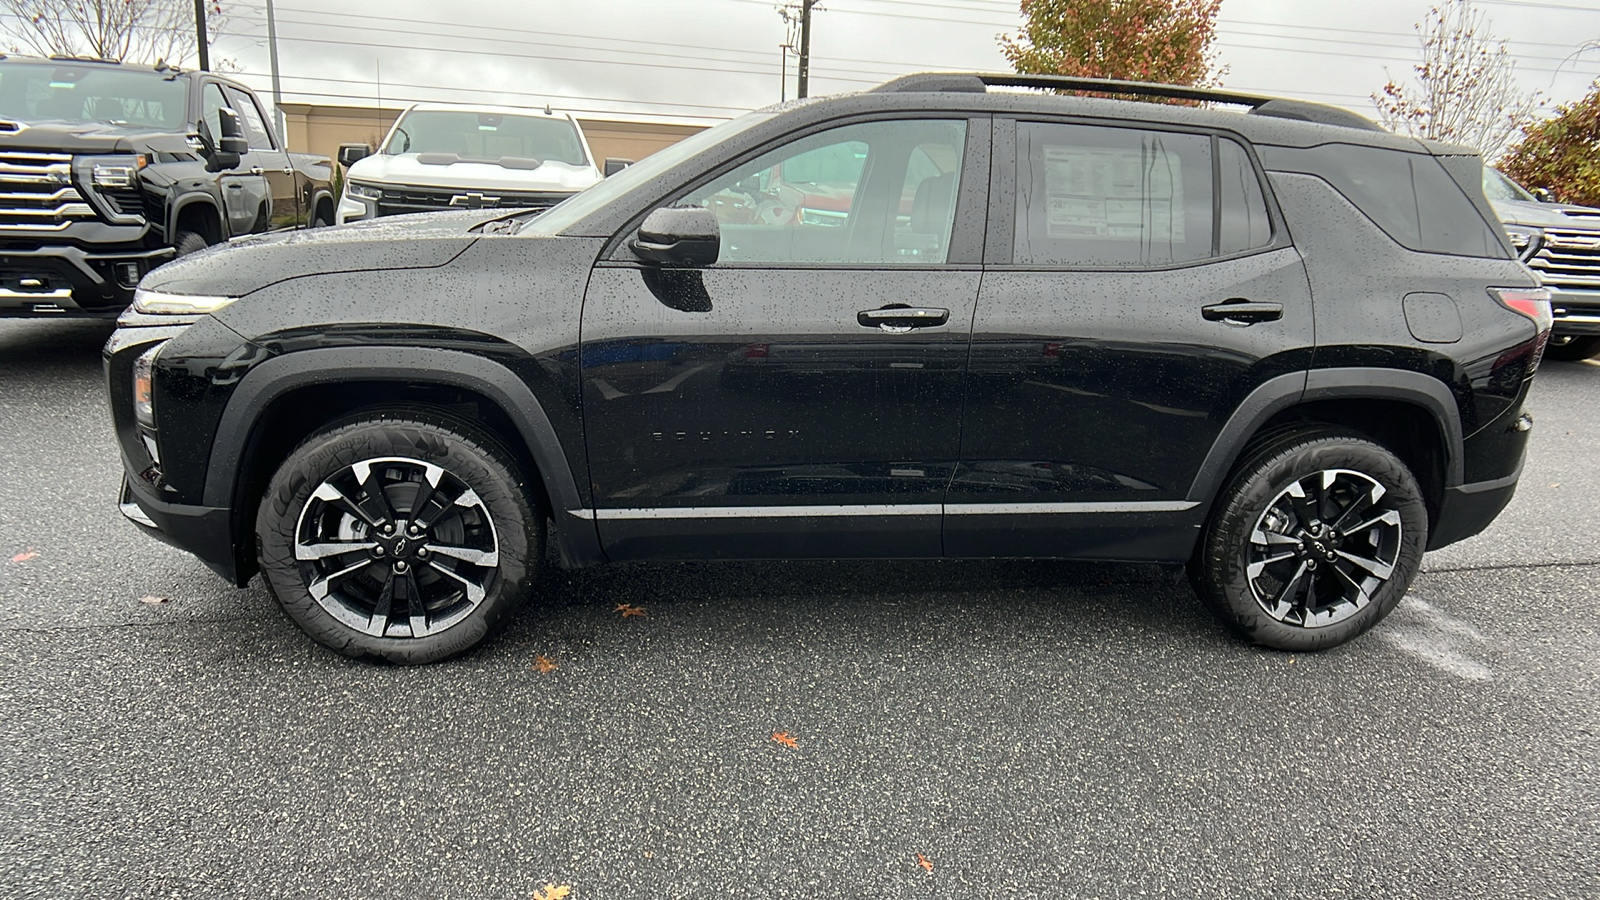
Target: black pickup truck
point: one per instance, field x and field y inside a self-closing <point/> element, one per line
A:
<point x="108" y="170"/>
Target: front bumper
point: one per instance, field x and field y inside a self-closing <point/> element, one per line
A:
<point x="70" y="282"/>
<point x="202" y="530"/>
<point x="1576" y="311"/>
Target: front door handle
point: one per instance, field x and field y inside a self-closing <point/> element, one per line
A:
<point x="1242" y="312"/>
<point x="257" y="170"/>
<point x="901" y="319"/>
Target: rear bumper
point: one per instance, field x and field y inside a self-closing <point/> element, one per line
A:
<point x="204" y="531"/>
<point x="1576" y="311"/>
<point x="67" y="281"/>
<point x="1468" y="509"/>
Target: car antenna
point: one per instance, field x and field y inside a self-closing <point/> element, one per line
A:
<point x="548" y="111"/>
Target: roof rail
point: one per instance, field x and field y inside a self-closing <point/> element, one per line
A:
<point x="1260" y="104"/>
<point x="65" y="57"/>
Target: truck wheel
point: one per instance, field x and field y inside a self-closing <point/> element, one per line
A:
<point x="188" y="242"/>
<point x="1315" y="540"/>
<point x="399" y="536"/>
<point x="1572" y="349"/>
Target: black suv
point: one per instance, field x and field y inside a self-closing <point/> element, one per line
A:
<point x="1284" y="347"/>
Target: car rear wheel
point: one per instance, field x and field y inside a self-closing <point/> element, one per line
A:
<point x="1572" y="349"/>
<point x="1315" y="540"/>
<point x="399" y="537"/>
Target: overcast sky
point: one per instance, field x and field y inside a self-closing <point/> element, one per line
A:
<point x="708" y="59"/>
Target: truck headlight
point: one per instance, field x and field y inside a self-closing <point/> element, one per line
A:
<point x="1525" y="239"/>
<point x="117" y="172"/>
<point x="363" y="191"/>
<point x="144" y="399"/>
<point x="157" y="303"/>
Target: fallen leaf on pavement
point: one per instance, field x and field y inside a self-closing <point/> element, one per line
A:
<point x="24" y="556"/>
<point x="152" y="599"/>
<point x="924" y="862"/>
<point x="552" y="892"/>
<point x="544" y="664"/>
<point x="784" y="738"/>
<point x="629" y="610"/>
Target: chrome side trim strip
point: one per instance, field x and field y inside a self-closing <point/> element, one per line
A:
<point x="898" y="509"/>
<point x="1024" y="509"/>
<point x="57" y="294"/>
<point x="764" y="512"/>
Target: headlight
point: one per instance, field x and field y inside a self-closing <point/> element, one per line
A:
<point x="825" y="217"/>
<point x="363" y="191"/>
<point x="144" y="407"/>
<point x="1525" y="239"/>
<point x="157" y="303"/>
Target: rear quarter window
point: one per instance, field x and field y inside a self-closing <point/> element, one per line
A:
<point x="1408" y="195"/>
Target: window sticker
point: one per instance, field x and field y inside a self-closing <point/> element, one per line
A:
<point x="1112" y="194"/>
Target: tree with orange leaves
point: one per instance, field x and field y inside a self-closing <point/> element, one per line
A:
<point x="1165" y="41"/>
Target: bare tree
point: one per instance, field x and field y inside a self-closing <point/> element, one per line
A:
<point x="128" y="30"/>
<point x="1466" y="87"/>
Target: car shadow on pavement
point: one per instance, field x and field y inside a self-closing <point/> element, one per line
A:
<point x="29" y="346"/>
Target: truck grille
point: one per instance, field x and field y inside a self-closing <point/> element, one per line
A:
<point x="403" y="199"/>
<point x="36" y="192"/>
<point x="1568" y="258"/>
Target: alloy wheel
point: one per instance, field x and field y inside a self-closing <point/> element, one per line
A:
<point x="396" y="547"/>
<point x="1322" y="548"/>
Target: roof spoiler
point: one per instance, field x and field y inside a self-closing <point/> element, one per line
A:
<point x="1260" y="104"/>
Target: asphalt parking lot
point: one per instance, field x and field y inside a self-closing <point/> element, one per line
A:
<point x="964" y="730"/>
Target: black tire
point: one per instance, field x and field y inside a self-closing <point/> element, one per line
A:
<point x="1573" y="349"/>
<point x="344" y="484"/>
<point x="187" y="242"/>
<point x="1280" y="604"/>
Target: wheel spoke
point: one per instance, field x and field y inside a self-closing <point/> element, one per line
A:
<point x="467" y="554"/>
<point x="327" y="493"/>
<point x="475" y="592"/>
<point x="1302" y="505"/>
<point x="1308" y="601"/>
<point x="416" y="607"/>
<point x="1376" y="567"/>
<point x="1360" y="504"/>
<point x="373" y="500"/>
<point x="1388" y="517"/>
<point x="1254" y="569"/>
<point x="431" y="474"/>
<point x="1267" y="538"/>
<point x="320" y="587"/>
<point x="321" y="551"/>
<point x="378" y="622"/>
<point x="1362" y="598"/>
<point x="1286" y="596"/>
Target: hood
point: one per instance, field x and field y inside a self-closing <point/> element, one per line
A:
<point x="1546" y="215"/>
<point x="239" y="267"/>
<point x="449" y="171"/>
<point x="78" y="137"/>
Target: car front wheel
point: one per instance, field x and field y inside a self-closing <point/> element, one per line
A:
<point x="399" y="537"/>
<point x="1315" y="540"/>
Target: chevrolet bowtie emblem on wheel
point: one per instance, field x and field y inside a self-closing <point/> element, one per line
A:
<point x="474" y="200"/>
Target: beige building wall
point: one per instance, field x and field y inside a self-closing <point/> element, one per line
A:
<point x="321" y="129"/>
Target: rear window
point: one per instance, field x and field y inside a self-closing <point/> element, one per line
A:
<point x="1408" y="195"/>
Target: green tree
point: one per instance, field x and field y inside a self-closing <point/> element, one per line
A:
<point x="1167" y="41"/>
<point x="1562" y="153"/>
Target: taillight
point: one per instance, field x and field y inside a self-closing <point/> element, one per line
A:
<point x="1531" y="302"/>
<point x="755" y="351"/>
<point x="1535" y="304"/>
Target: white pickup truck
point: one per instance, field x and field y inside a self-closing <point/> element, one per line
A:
<point x="442" y="156"/>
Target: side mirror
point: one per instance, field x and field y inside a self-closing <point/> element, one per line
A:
<point x="615" y="165"/>
<point x="679" y="236"/>
<point x="350" y="154"/>
<point x="233" y="139"/>
<point x="1543" y="195"/>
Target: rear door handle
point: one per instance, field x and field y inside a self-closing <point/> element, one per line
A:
<point x="1242" y="312"/>
<point x="901" y="319"/>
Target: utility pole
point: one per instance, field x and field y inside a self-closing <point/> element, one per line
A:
<point x="805" y="48"/>
<point x="277" y="89"/>
<point x="200" y="34"/>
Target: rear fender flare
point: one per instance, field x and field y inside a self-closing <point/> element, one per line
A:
<point x="1277" y="394"/>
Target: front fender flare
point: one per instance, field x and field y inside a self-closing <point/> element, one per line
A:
<point x="579" y="541"/>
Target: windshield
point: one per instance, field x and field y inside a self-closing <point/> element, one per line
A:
<point x="487" y="136"/>
<point x="1498" y="187"/>
<point x="89" y="92"/>
<point x="582" y="204"/>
